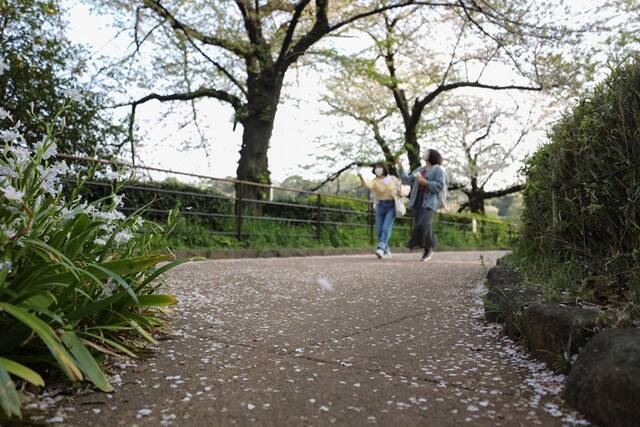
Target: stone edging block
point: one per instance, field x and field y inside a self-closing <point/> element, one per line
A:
<point x="604" y="382"/>
<point x="555" y="332"/>
<point x="507" y="299"/>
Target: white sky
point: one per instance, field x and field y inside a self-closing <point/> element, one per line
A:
<point x="298" y="124"/>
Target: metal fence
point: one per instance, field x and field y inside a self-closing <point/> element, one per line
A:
<point x="241" y="209"/>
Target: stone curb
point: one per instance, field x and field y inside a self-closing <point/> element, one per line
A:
<point x="556" y="332"/>
<point x="604" y="380"/>
<point x="506" y="298"/>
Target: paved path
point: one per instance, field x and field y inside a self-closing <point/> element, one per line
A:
<point x="394" y="342"/>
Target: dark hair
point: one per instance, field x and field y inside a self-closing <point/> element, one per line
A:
<point x="385" y="169"/>
<point x="435" y="158"/>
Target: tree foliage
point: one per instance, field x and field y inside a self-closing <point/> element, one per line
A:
<point x="41" y="70"/>
<point x="403" y="85"/>
<point x="233" y="51"/>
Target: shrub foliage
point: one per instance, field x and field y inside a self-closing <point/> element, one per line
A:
<point x="582" y="199"/>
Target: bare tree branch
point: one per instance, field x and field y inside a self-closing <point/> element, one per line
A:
<point x="322" y="27"/>
<point x="254" y="30"/>
<point x="235" y="102"/>
<point x="420" y="104"/>
<point x="336" y="175"/>
<point x="453" y="54"/>
<point x="485" y="195"/>
<point x="216" y="64"/>
<point x="293" y="23"/>
<point x="235" y="46"/>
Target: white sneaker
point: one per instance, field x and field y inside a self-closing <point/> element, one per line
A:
<point x="427" y="256"/>
<point x="379" y="253"/>
<point x="387" y="255"/>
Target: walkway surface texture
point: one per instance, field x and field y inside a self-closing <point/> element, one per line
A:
<point x="345" y="340"/>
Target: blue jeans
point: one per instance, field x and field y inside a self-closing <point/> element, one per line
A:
<point x="385" y="215"/>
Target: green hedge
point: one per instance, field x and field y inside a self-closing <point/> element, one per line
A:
<point x="193" y="231"/>
<point x="590" y="171"/>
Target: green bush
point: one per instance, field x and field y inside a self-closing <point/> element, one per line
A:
<point x="159" y="198"/>
<point x="582" y="198"/>
<point x="76" y="279"/>
<point x="348" y="219"/>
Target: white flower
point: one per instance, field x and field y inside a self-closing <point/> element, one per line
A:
<point x="8" y="233"/>
<point x="67" y="213"/>
<point x="111" y="175"/>
<point x="6" y="171"/>
<point x="108" y="289"/>
<point x="118" y="200"/>
<point x="3" y="66"/>
<point x="100" y="241"/>
<point x="73" y="94"/>
<point x="19" y="153"/>
<point x="122" y="237"/>
<point x="109" y="216"/>
<point x="10" y="193"/>
<point x="51" y="151"/>
<point x="61" y="168"/>
<point x="9" y="135"/>
<point x="138" y="223"/>
<point x="4" y="114"/>
<point x="6" y="265"/>
<point x="50" y="177"/>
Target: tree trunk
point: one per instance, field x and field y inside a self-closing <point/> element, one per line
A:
<point x="476" y="202"/>
<point x="412" y="146"/>
<point x="253" y="165"/>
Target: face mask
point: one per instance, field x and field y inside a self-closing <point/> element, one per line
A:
<point x="378" y="171"/>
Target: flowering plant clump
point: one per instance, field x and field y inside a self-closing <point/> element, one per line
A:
<point x="77" y="279"/>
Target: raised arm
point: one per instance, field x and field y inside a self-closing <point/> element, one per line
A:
<point x="367" y="184"/>
<point x="406" y="179"/>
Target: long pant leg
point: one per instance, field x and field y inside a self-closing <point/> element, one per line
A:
<point x="429" y="237"/>
<point x="379" y="222"/>
<point x="419" y="228"/>
<point x="387" y="225"/>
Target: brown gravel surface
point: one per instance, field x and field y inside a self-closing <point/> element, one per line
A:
<point x="345" y="340"/>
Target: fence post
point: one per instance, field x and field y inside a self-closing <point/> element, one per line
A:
<point x="239" y="211"/>
<point x="371" y="216"/>
<point x="318" y="215"/>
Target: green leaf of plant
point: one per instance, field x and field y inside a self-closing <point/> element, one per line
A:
<point x="48" y="336"/>
<point x="9" y="399"/>
<point x="116" y="278"/>
<point x="53" y="253"/>
<point x="22" y="371"/>
<point x="166" y="268"/>
<point x="86" y="362"/>
<point x="156" y="300"/>
<point x="137" y="264"/>
<point x="142" y="332"/>
<point x="112" y="343"/>
<point x="121" y="267"/>
<point x="94" y="308"/>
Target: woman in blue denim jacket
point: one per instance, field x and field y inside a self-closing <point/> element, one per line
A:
<point x="428" y="189"/>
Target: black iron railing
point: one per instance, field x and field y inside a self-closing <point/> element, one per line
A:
<point x="234" y="209"/>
